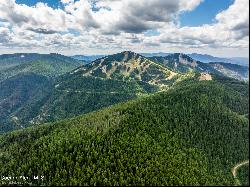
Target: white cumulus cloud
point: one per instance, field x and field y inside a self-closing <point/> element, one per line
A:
<point x="96" y="25"/>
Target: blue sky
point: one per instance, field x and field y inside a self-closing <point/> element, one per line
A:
<point x="205" y="12"/>
<point x="51" y="3"/>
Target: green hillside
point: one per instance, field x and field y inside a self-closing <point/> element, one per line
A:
<point x="50" y="65"/>
<point x="72" y="96"/>
<point x="193" y="134"/>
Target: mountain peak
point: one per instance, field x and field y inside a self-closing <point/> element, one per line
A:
<point x="128" y="65"/>
<point x="125" y="57"/>
<point x="129" y="53"/>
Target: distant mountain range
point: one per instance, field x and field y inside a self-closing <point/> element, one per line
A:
<point x="155" y="54"/>
<point x="208" y="58"/>
<point x="87" y="59"/>
<point x="198" y="57"/>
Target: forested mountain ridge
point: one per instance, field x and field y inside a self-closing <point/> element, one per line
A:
<point x="50" y="65"/>
<point x="182" y="63"/>
<point x="69" y="95"/>
<point x="242" y="61"/>
<point x="232" y="70"/>
<point x="192" y="134"/>
<point x="88" y="88"/>
<point x="104" y="82"/>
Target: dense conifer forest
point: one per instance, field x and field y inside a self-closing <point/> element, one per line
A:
<point x="192" y="134"/>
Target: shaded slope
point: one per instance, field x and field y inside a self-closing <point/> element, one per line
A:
<point x="15" y="93"/>
<point x="77" y="95"/>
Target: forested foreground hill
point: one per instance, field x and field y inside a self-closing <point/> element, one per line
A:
<point x="193" y="134"/>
